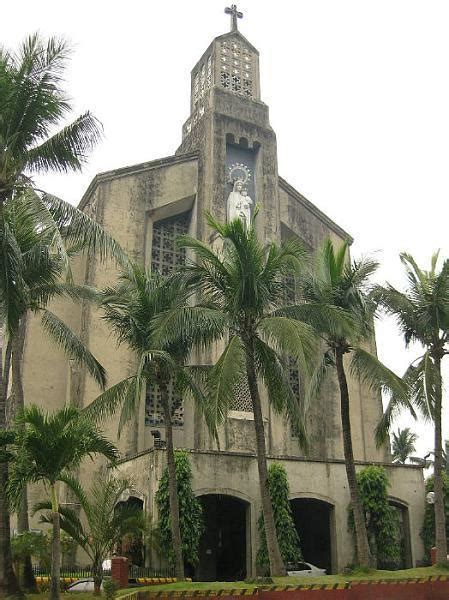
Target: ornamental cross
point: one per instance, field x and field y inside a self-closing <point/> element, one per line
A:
<point x="235" y="14"/>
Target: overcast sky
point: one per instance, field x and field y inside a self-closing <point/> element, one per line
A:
<point x="358" y="94"/>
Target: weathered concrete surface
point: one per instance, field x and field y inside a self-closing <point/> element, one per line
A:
<point x="128" y="202"/>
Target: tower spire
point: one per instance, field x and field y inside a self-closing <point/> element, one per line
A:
<point x="235" y="14"/>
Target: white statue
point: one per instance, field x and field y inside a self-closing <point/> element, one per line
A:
<point x="239" y="204"/>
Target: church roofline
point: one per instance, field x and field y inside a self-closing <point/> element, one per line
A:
<point x="238" y="34"/>
<point x="133" y="169"/>
<point x="314" y="210"/>
<point x="287" y="458"/>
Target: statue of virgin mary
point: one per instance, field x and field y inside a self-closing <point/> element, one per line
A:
<point x="239" y="205"/>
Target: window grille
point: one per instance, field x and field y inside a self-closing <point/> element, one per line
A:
<point x="241" y="400"/>
<point x="165" y="256"/>
<point x="154" y="412"/>
<point x="236" y="69"/>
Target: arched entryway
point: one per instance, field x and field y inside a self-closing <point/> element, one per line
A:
<point x="132" y="546"/>
<point x="314" y="522"/>
<point x="223" y="546"/>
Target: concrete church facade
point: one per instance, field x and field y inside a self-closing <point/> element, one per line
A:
<point x="227" y="137"/>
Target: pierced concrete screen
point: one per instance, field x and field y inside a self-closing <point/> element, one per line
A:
<point x="165" y="256"/>
<point x="154" y="413"/>
<point x="202" y="80"/>
<point x="241" y="400"/>
<point x="236" y="68"/>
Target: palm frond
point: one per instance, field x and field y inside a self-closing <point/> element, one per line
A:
<point x="290" y="337"/>
<point x="275" y="377"/>
<point x="223" y="377"/>
<point x="75" y="349"/>
<point x="110" y="400"/>
<point x="67" y="149"/>
<point x="79" y="228"/>
<point x="376" y="376"/>
<point x="318" y="378"/>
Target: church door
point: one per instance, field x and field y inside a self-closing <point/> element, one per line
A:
<point x="223" y="545"/>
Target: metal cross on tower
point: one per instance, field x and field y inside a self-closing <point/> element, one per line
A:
<point x="235" y="14"/>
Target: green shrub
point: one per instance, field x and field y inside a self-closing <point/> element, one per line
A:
<point x="288" y="538"/>
<point x="190" y="512"/>
<point x="110" y="587"/>
<point x="380" y="517"/>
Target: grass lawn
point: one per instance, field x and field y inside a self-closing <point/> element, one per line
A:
<point x="329" y="579"/>
<point x="219" y="585"/>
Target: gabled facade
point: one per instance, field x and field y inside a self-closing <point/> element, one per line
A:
<point x="227" y="136"/>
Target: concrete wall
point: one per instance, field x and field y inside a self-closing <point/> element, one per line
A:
<point x="235" y="474"/>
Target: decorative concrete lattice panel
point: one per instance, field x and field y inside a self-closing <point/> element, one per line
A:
<point x="241" y="400"/>
<point x="165" y="256"/>
<point x="154" y="413"/>
<point x="236" y="68"/>
<point x="202" y="80"/>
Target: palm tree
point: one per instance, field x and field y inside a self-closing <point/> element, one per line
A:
<point x="422" y="314"/>
<point x="43" y="270"/>
<point x="337" y="282"/>
<point x="134" y="309"/>
<point x="403" y="445"/>
<point x="45" y="449"/>
<point x="32" y="105"/>
<point x="103" y="524"/>
<point x="240" y="293"/>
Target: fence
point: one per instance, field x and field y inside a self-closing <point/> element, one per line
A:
<point x="72" y="571"/>
<point x="76" y="572"/>
<point x="148" y="572"/>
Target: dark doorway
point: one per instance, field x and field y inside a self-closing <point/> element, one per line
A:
<point x="132" y="546"/>
<point x="313" y="523"/>
<point x="223" y="545"/>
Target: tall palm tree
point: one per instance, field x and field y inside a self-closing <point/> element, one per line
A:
<point x="422" y="314"/>
<point x="134" y="309"/>
<point x="240" y="292"/>
<point x="103" y="524"/>
<point x="403" y="445"/>
<point x="32" y="105"/>
<point x="337" y="282"/>
<point x="46" y="448"/>
<point x="43" y="269"/>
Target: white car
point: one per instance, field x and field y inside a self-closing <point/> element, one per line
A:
<point x="83" y="585"/>
<point x="304" y="569"/>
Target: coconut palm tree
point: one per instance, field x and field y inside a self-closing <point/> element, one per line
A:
<point x="403" y="445"/>
<point x="240" y="293"/>
<point x="42" y="270"/>
<point x="103" y="523"/>
<point x="338" y="282"/>
<point x="134" y="309"/>
<point x="45" y="449"/>
<point x="33" y="104"/>
<point x="422" y="314"/>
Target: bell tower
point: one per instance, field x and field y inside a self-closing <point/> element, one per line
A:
<point x="229" y="127"/>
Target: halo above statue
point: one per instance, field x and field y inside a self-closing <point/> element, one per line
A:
<point x="239" y="172"/>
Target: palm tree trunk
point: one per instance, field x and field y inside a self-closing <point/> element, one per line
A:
<point x="97" y="572"/>
<point x="172" y="486"/>
<point x="440" y="517"/>
<point x="9" y="585"/>
<point x="363" y="551"/>
<point x="17" y="343"/>
<point x="277" y="568"/>
<point x="55" y="546"/>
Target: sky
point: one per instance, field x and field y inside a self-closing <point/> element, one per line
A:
<point x="358" y="94"/>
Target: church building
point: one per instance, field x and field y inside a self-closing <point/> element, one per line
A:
<point x="225" y="164"/>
